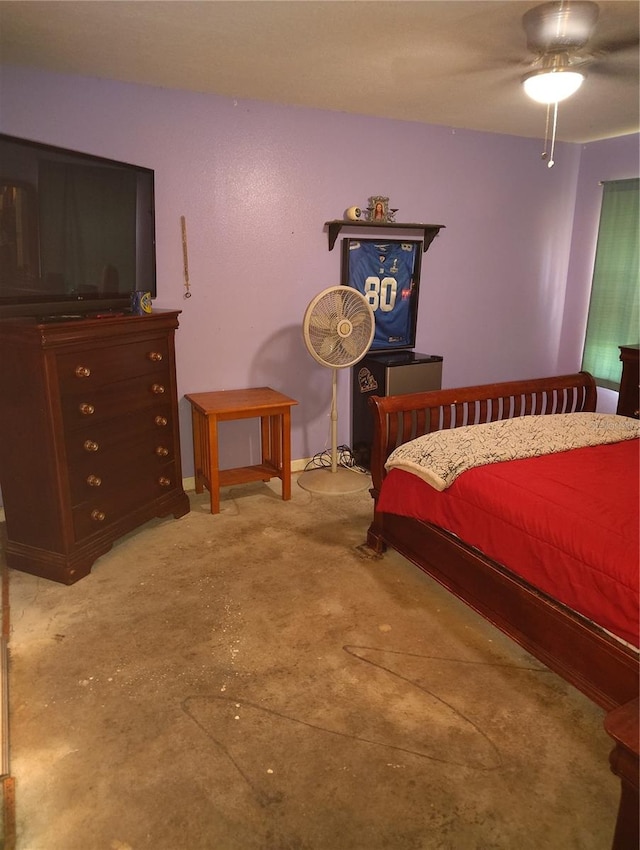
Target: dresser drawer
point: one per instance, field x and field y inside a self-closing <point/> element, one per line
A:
<point x="105" y="507"/>
<point x="110" y="469"/>
<point x="115" y="400"/>
<point x="97" y="440"/>
<point x="94" y="368"/>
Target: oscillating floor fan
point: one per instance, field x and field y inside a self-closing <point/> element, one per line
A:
<point x="338" y="330"/>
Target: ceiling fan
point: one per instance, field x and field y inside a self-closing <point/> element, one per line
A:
<point x="560" y="34"/>
<point x="564" y="34"/>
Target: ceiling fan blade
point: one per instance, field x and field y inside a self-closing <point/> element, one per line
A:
<point x="619" y="64"/>
<point x="614" y="71"/>
<point x="615" y="45"/>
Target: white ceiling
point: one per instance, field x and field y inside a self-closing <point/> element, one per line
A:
<point x="457" y="63"/>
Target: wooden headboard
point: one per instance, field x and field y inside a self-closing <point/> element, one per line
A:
<point x="400" y="418"/>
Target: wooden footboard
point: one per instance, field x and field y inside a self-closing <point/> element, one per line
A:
<point x="600" y="666"/>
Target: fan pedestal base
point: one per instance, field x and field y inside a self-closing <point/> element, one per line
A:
<point x="330" y="483"/>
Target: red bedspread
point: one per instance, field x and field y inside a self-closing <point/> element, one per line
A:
<point x="568" y="523"/>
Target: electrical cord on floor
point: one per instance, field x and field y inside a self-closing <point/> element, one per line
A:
<point x="344" y="458"/>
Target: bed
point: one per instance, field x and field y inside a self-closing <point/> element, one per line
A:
<point x="599" y="658"/>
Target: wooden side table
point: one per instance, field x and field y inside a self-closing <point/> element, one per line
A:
<point x="622" y="725"/>
<point x="628" y="398"/>
<point x="274" y="410"/>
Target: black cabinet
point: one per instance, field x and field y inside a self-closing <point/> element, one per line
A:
<point x="391" y="373"/>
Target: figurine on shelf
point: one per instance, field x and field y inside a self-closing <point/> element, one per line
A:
<point x="378" y="210"/>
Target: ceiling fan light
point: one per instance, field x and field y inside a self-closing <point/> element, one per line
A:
<point x="552" y="86"/>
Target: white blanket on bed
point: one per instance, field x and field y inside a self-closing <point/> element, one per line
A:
<point x="441" y="456"/>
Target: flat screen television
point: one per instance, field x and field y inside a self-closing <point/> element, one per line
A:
<point x="77" y="232"/>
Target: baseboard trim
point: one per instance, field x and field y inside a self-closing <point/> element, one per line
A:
<point x="300" y="465"/>
<point x="4" y="709"/>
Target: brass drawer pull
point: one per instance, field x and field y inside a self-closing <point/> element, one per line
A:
<point x="163" y="481"/>
<point x="94" y="481"/>
<point x="155" y="356"/>
<point x="90" y="446"/>
<point x="86" y="409"/>
<point x="157" y="389"/>
<point x="162" y="451"/>
<point x="161" y="421"/>
<point x="98" y="516"/>
<point x="83" y="371"/>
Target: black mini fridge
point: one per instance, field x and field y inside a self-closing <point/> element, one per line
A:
<point x="386" y="374"/>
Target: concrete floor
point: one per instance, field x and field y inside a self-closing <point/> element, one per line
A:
<point x="254" y="681"/>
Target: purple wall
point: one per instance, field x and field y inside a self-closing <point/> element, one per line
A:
<point x="256" y="183"/>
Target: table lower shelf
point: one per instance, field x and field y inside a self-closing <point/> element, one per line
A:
<point x="246" y="474"/>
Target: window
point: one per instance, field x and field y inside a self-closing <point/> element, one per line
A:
<point x="614" y="316"/>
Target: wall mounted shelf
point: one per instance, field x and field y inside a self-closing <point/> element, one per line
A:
<point x="430" y="231"/>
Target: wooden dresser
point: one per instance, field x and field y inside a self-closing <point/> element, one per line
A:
<point x="629" y="397"/>
<point x="89" y="440"/>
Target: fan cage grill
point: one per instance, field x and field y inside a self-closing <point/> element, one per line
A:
<point x="338" y="327"/>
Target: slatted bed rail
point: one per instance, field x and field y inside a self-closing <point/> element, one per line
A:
<point x="398" y="419"/>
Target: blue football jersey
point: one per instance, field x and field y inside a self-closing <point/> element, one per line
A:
<point x="384" y="273"/>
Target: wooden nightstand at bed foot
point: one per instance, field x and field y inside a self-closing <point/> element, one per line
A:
<point x="622" y="724"/>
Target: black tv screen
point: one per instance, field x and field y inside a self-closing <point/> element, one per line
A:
<point x="77" y="232"/>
